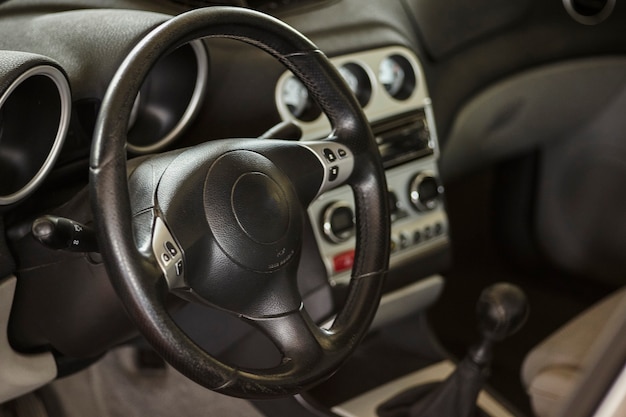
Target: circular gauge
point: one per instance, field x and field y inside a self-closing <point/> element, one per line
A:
<point x="167" y="104"/>
<point x="296" y="97"/>
<point x="350" y="78"/>
<point x="391" y="75"/>
<point x="358" y="81"/>
<point x="397" y="76"/>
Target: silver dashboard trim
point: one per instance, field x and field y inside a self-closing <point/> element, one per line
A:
<point x="407" y="300"/>
<point x="397" y="181"/>
<point x="197" y="97"/>
<point x="65" y="98"/>
<point x="402" y="303"/>
<point x="172" y="264"/>
<point x="381" y="105"/>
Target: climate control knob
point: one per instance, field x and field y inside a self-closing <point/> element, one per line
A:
<point x="338" y="222"/>
<point x="425" y="191"/>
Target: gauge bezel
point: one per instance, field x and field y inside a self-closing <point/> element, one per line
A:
<point x="310" y="110"/>
<point x="408" y="82"/>
<point x="65" y="104"/>
<point x="363" y="91"/>
<point x="192" y="109"/>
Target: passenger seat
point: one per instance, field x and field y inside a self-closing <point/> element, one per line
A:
<point x="552" y="369"/>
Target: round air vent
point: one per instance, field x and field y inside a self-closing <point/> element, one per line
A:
<point x="589" y="12"/>
<point x="34" y="117"/>
<point x="169" y="99"/>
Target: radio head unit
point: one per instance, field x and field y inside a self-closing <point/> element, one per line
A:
<point x="403" y="139"/>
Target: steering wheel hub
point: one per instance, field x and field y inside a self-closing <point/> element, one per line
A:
<point x="260" y="207"/>
<point x="252" y="210"/>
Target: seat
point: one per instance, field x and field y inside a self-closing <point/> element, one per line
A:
<point x="553" y="368"/>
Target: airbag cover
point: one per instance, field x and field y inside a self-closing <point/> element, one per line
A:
<point x="252" y="210"/>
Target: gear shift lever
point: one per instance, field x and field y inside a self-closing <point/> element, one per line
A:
<point x="502" y="309"/>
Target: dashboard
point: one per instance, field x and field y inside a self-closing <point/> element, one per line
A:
<point x="389" y="83"/>
<point x="448" y="88"/>
<point x="203" y="91"/>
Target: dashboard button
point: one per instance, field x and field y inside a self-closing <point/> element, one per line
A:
<point x="343" y="261"/>
<point x="329" y="155"/>
<point x="171" y="248"/>
<point x="334" y="173"/>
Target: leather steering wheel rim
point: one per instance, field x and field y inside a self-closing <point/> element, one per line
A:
<point x="137" y="278"/>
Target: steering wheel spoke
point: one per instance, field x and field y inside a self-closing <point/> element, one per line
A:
<point x="313" y="167"/>
<point x="305" y="350"/>
<point x="336" y="159"/>
<point x="169" y="256"/>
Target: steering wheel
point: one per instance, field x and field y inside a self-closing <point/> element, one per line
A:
<point x="221" y="223"/>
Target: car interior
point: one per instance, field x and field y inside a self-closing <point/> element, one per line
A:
<point x="348" y="208"/>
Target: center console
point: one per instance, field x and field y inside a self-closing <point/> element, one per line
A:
<point x="390" y="86"/>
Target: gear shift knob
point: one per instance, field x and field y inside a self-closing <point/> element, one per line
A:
<point x="502" y="309"/>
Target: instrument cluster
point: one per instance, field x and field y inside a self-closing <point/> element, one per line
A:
<point x="385" y="81"/>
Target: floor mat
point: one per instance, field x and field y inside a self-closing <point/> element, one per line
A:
<point x="29" y="405"/>
<point x="116" y="387"/>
